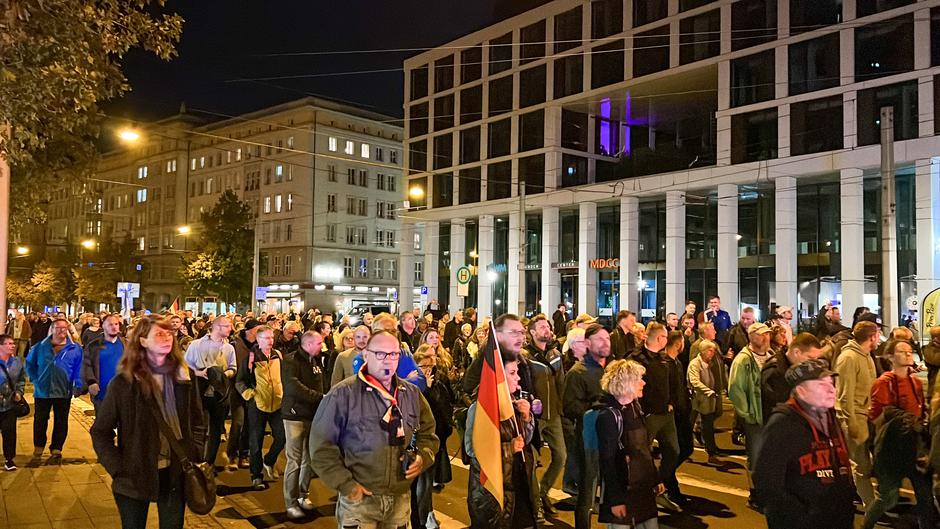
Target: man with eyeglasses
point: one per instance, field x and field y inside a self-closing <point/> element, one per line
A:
<point x="54" y="365"/>
<point x="372" y="435"/>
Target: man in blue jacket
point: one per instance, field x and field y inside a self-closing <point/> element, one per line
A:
<point x="54" y="365"/>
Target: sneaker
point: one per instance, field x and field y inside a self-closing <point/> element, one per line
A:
<point x="55" y="458"/>
<point x="306" y="504"/>
<point x="9" y="466"/>
<point x="258" y="484"/>
<point x="243" y="462"/>
<point x="666" y="504"/>
<point x="270" y="474"/>
<point x="232" y="465"/>
<point x="37" y="452"/>
<point x="295" y="513"/>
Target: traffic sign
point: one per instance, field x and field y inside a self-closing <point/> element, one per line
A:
<point x="463" y="275"/>
<point x="424" y="290"/>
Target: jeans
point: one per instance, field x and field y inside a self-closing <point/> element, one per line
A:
<point x="170" y="505"/>
<point x="421" y="500"/>
<point x="298" y="473"/>
<point x="374" y="512"/>
<point x="662" y="427"/>
<point x="257" y="420"/>
<point x="684" y="435"/>
<point x="860" y="459"/>
<point x="652" y="523"/>
<point x="887" y="497"/>
<point x="216" y="410"/>
<point x="554" y="436"/>
<point x="237" y="444"/>
<point x="60" y="423"/>
<point x="572" y="476"/>
<point x="8" y="431"/>
<point x="587" y="461"/>
<point x="708" y="430"/>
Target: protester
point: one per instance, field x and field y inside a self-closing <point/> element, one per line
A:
<point x="802" y="472"/>
<point x="559" y="319"/>
<point x="737" y="337"/>
<point x="19" y="329"/>
<point x="707" y="380"/>
<point x="408" y="330"/>
<point x="238" y="434"/>
<point x="343" y="364"/>
<point x="288" y="341"/>
<point x="574" y="350"/>
<point x="931" y="354"/>
<point x="153" y="380"/>
<point x="622" y="341"/>
<point x="12" y="389"/>
<point x="774" y="387"/>
<point x="212" y="359"/>
<point x="715" y="314"/>
<point x="363" y="429"/>
<point x="101" y="358"/>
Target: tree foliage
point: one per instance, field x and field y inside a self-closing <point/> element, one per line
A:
<point x="59" y="59"/>
<point x="20" y="292"/>
<point x="52" y="285"/>
<point x="223" y="262"/>
<point x="95" y="283"/>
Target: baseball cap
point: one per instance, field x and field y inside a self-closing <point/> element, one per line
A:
<point x="808" y="370"/>
<point x="872" y="317"/>
<point x="251" y="324"/>
<point x="584" y="317"/>
<point x="784" y="308"/>
<point x="758" y="328"/>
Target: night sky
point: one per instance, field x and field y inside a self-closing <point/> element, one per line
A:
<point x="227" y="40"/>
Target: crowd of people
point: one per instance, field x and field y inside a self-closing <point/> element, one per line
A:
<point x="828" y="418"/>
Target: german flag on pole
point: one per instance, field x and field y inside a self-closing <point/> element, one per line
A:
<point x="494" y="405"/>
<point x="175" y="307"/>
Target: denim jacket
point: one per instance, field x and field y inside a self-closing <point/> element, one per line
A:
<point x="14" y="367"/>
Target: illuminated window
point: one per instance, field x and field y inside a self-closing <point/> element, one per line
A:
<point x="333" y="144"/>
<point x="350" y="147"/>
<point x="267" y="204"/>
<point x="277" y="204"/>
<point x="364" y="150"/>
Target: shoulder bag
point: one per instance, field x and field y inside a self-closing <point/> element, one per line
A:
<point x="21" y="407"/>
<point x="198" y="478"/>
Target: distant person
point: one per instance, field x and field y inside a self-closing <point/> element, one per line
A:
<point x="101" y="358"/>
<point x="12" y="389"/>
<point x="715" y="314"/>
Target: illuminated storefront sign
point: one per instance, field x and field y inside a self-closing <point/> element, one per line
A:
<point x="605" y="263"/>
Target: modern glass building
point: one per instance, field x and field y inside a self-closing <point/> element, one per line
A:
<point x="634" y="154"/>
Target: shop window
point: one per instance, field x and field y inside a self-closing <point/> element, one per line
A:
<point x="752" y="79"/>
<point x="531" y="130"/>
<point x="569" y="75"/>
<point x="418" y="120"/>
<point x="753" y="22"/>
<point x="647" y="11"/>
<point x="532" y="86"/>
<point x="443" y="151"/>
<point x="574" y="130"/>
<point x="700" y="37"/>
<point x="568" y="30"/>
<point x="873" y="58"/>
<point x="606" y="18"/>
<point x="902" y="97"/>
<point x="607" y="64"/>
<point x="499" y="138"/>
<point x="814" y="64"/>
<point x="471" y="104"/>
<point x="870" y="7"/>
<point x="754" y="136"/>
<point x="807" y="15"/>
<point x="606" y="137"/>
<point x="532" y="172"/>
<point x="471" y="67"/>
<point x="532" y="46"/>
<point x="469" y="182"/>
<point x="651" y="51"/>
<point x="419" y="82"/>
<point x="418" y="156"/>
<point x="573" y="170"/>
<point x="568" y="235"/>
<point x="500" y="94"/>
<point x="501" y="54"/>
<point x="498" y="180"/>
<point x="443" y="190"/>
<point x="444" y="112"/>
<point x="470" y="145"/>
<point x="444" y="74"/>
<point x="816" y="126"/>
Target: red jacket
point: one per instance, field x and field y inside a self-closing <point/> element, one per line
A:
<point x="888" y="390"/>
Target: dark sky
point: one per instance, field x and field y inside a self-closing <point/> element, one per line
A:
<point x="227" y="40"/>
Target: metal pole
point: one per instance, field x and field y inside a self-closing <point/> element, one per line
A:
<point x="5" y="135"/>
<point x="520" y="268"/>
<point x="889" y="232"/>
<point x="254" y="268"/>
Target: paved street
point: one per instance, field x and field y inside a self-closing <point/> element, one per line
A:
<point x="76" y="495"/>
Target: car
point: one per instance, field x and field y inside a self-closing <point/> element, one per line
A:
<point x="355" y="314"/>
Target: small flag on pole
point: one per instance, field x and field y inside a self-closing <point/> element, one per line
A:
<point x="175" y="307"/>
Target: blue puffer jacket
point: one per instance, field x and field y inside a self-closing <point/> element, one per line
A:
<point x="14" y="367"/>
<point x="54" y="375"/>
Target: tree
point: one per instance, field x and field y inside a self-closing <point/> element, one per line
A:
<point x="223" y="263"/>
<point x="51" y="284"/>
<point x="59" y="59"/>
<point x="20" y="292"/>
<point x="95" y="283"/>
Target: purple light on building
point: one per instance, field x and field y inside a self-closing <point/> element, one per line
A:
<point x="605" y="127"/>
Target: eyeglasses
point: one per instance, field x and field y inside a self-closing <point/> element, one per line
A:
<point x="381" y="355"/>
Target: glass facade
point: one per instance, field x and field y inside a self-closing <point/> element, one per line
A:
<point x="701" y="247"/>
<point x="756" y="259"/>
<point x="608" y="249"/>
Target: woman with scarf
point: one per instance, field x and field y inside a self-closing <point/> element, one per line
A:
<point x="152" y="379"/>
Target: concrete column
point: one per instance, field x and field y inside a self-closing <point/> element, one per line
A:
<point x="458" y="258"/>
<point x="925" y="107"/>
<point x="406" y="265"/>
<point x="552" y="139"/>
<point x="629" y="253"/>
<point x="853" y="239"/>
<point x="431" y="243"/>
<point x="783" y="131"/>
<point x="675" y="251"/>
<point x="515" y="296"/>
<point x="927" y="208"/>
<point x="922" y="38"/>
<point x="785" y="236"/>
<point x="728" y="248"/>
<point x="484" y="265"/>
<point x="551" y="279"/>
<point x="849" y="130"/>
<point x="587" y="250"/>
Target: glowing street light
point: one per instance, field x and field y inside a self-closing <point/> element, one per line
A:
<point x="89" y="244"/>
<point x="184" y="230"/>
<point x="416" y="193"/>
<point x="22" y="250"/>
<point x="128" y="135"/>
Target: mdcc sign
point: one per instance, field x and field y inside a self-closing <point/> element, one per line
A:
<point x="605" y="263"/>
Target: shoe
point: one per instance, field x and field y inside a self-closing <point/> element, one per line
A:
<point x="678" y="498"/>
<point x="547" y="506"/>
<point x="306" y="504"/>
<point x="258" y="484"/>
<point x="230" y="464"/>
<point x="666" y="504"/>
<point x="715" y="461"/>
<point x="37" y="452"/>
<point x="243" y="462"/>
<point x="9" y="466"/>
<point x="55" y="458"/>
<point x="270" y="474"/>
<point x="295" y="513"/>
<point x="698" y="438"/>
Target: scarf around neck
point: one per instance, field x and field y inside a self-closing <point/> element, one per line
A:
<point x="167" y="401"/>
<point x="391" y="420"/>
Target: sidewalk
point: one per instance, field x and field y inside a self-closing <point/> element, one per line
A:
<point x="77" y="494"/>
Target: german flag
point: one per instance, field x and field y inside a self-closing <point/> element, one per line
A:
<point x="175" y="307"/>
<point x="494" y="405"/>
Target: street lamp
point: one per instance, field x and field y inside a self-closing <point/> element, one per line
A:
<point x="89" y="244"/>
<point x="22" y="250"/>
<point x="416" y="192"/>
<point x="128" y="135"/>
<point x="184" y="230"/>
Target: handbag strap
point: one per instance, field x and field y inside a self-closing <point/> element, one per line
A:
<point x="170" y="436"/>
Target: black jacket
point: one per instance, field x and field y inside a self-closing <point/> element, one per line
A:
<point x="802" y="476"/>
<point x="305" y="383"/>
<point x="287" y="347"/>
<point x="773" y="383"/>
<point x="411" y="340"/>
<point x="91" y="368"/>
<point x="132" y="462"/>
<point x="451" y="332"/>
<point x="735" y="339"/>
<point x="661" y="388"/>
<point x="622" y="345"/>
<point x="559" y="322"/>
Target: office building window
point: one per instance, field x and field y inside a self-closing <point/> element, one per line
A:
<point x="267" y="204"/>
<point x="141" y="196"/>
<point x="444" y="112"/>
<point x="392" y="182"/>
<point x="331" y="203"/>
<point x="500" y="93"/>
<point x="363" y="267"/>
<point x="573" y="170"/>
<point x="380" y="209"/>
<point x="378" y="266"/>
<point x="140" y="244"/>
<point x="443" y="155"/>
<point x="363" y="178"/>
<point x="471" y="104"/>
<point x="419" y="82"/>
<point x="379" y="154"/>
<point x="569" y="75"/>
<point x="470" y="145"/>
<point x="935" y="37"/>
<point x="501" y="54"/>
<point x="651" y="51"/>
<point x="142" y="172"/>
<point x="607" y="64"/>
<point x="351" y="176"/>
<point x="807" y="15"/>
<point x="568" y="30"/>
<point x="392" y="269"/>
<point x="390" y="238"/>
<point x="532" y="46"/>
<point x="606" y="18"/>
<point x="350" y="147"/>
<point x="331" y="232"/>
<point x="288" y="232"/>
<point x="532" y="173"/>
<point x="752" y="78"/>
<point x="347" y="266"/>
<point x="363" y="207"/>
<point x="649" y="11"/>
<point x="814" y="64"/>
<point x="238" y="154"/>
<point x="275" y="265"/>
<point x="393" y="157"/>
<point x="902" y="97"/>
<point x="685" y="5"/>
<point x="574" y="131"/>
<point x="754" y="136"/>
<point x="287" y="265"/>
<point x="364" y="150"/>
<point x="332" y="144"/>
<point x="469" y="182"/>
<point x="290" y="202"/>
<point x="699" y="37"/>
<point x="350" y="205"/>
<point x="870" y="7"/>
<point x="499" y="138"/>
<point x="443" y="190"/>
<point x="471" y="60"/>
<point x="418" y="156"/>
<point x="331" y="173"/>
<point x="875" y="59"/>
<point x="532" y="86"/>
<point x="444" y="74"/>
<point x="498" y="180"/>
<point x="418" y="120"/>
<point x="419" y="272"/>
<point x="816" y="126"/>
<point x="753" y="22"/>
<point x="380" y="182"/>
<point x="350" y="235"/>
<point x="531" y="130"/>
